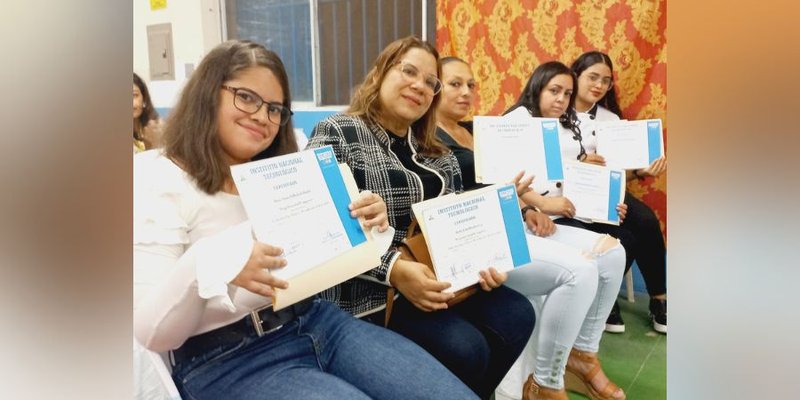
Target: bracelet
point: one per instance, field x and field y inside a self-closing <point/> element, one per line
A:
<point x="525" y="209"/>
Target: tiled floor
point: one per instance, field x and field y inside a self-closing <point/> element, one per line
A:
<point x="637" y="359"/>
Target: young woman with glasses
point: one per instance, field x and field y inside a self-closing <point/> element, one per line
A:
<point x="203" y="285"/>
<point x="387" y="137"/>
<point x="597" y="101"/>
<point x="572" y="270"/>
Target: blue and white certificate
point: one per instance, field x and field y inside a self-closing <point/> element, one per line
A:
<point x="630" y="144"/>
<point x="506" y="145"/>
<point x="299" y="202"/>
<point x="473" y="231"/>
<point x="595" y="191"/>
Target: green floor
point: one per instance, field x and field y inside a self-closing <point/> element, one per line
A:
<point x="637" y="359"/>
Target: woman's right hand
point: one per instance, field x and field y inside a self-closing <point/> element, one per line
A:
<point x="557" y="206"/>
<point x="255" y="276"/>
<point x="418" y="284"/>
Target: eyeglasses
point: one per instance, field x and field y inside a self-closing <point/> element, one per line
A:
<point x="248" y="101"/>
<point x="605" y="81"/>
<point x="411" y="74"/>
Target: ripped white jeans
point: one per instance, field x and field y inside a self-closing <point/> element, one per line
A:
<point x="572" y="280"/>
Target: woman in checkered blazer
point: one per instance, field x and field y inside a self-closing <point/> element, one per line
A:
<point x="387" y="137"/>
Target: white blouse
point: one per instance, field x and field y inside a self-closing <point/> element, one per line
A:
<point x="188" y="245"/>
<point x="570" y="148"/>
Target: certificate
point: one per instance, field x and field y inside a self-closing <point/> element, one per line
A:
<point x="473" y="231"/>
<point x="630" y="144"/>
<point x="299" y="202"/>
<point x="595" y="191"/>
<point x="504" y="146"/>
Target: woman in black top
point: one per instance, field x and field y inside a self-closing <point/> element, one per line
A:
<point x="571" y="292"/>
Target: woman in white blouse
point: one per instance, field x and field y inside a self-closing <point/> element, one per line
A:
<point x="596" y="100"/>
<point x="203" y="284"/>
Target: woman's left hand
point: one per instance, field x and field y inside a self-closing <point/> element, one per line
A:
<point x="491" y="279"/>
<point x="372" y="207"/>
<point x="622" y="210"/>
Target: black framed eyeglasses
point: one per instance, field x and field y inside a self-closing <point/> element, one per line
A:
<point x="248" y="101"/>
<point x="411" y="74"/>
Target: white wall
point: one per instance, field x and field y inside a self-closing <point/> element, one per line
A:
<point x="195" y="31"/>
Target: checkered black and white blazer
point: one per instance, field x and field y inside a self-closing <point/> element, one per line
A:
<point x="365" y="147"/>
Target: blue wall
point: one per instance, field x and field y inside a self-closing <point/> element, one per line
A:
<point x="308" y="119"/>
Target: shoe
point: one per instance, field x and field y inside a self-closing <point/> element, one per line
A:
<point x="579" y="382"/>
<point x="658" y="314"/>
<point x="532" y="391"/>
<point x="614" y="322"/>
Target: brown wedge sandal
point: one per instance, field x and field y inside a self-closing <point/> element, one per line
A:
<point x="532" y="391"/>
<point x="576" y="381"/>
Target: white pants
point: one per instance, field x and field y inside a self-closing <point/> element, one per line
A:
<point x="572" y="286"/>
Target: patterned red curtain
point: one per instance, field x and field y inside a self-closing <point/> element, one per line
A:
<point x="504" y="41"/>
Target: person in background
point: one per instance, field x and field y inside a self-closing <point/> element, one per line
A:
<point x="203" y="284"/>
<point x="387" y="137"/>
<point x="146" y="125"/>
<point x="562" y="282"/>
<point x="597" y="101"/>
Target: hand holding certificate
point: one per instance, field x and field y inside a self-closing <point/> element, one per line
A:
<point x="299" y="202"/>
<point x="595" y="191"/>
<point x="506" y="145"/>
<point x="630" y="144"/>
<point x="473" y="231"/>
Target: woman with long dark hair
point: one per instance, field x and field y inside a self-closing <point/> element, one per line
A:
<point x="146" y="125"/>
<point x="596" y="100"/>
<point x="549" y="93"/>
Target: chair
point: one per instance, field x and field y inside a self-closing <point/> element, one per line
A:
<point x="629" y="285"/>
<point x="151" y="376"/>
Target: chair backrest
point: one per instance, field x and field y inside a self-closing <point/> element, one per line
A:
<point x="152" y="379"/>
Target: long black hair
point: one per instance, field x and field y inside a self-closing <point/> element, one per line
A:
<point x="586" y="60"/>
<point x="529" y="98"/>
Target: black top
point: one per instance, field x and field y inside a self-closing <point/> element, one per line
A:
<point x="431" y="184"/>
<point x="465" y="156"/>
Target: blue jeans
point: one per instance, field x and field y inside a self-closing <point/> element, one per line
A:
<point x="323" y="354"/>
<point x="478" y="339"/>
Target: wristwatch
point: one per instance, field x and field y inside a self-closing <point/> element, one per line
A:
<point x="526" y="209"/>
